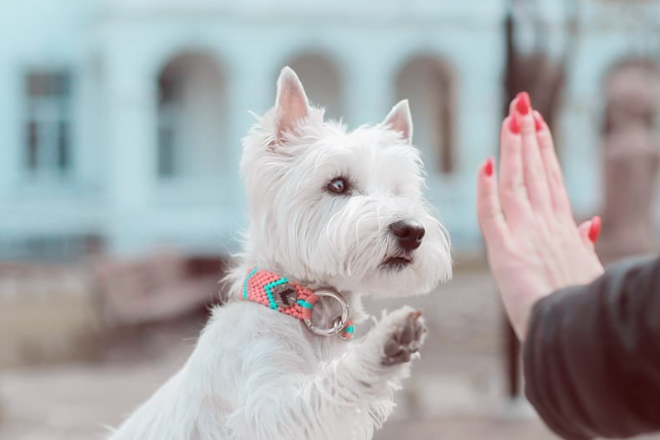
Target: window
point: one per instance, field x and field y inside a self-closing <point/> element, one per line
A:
<point x="191" y="119"/>
<point x="47" y="131"/>
<point x="167" y="142"/>
<point x="322" y="80"/>
<point x="428" y="84"/>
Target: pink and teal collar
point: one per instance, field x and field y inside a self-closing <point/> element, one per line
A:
<point x="292" y="299"/>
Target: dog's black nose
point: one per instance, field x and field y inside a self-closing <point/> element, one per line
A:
<point x="409" y="233"/>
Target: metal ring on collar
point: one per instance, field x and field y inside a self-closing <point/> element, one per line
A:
<point x="339" y="331"/>
<point x="339" y="324"/>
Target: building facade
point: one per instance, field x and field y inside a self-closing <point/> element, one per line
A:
<point x="121" y="120"/>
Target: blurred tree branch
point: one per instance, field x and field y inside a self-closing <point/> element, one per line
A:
<point x="536" y="71"/>
<point x="543" y="77"/>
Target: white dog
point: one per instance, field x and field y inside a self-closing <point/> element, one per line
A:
<point x="343" y="215"/>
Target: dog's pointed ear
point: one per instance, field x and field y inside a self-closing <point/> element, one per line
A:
<point x="400" y="119"/>
<point x="291" y="104"/>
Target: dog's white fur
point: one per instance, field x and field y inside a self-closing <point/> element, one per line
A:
<point x="261" y="375"/>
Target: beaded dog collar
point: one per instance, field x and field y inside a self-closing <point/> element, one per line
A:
<point x="278" y="293"/>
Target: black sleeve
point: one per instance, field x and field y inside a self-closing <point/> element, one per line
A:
<point x="592" y="355"/>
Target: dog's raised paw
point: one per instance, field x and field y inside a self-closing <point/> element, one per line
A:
<point x="405" y="340"/>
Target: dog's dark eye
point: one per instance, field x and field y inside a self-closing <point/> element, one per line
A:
<point x="338" y="185"/>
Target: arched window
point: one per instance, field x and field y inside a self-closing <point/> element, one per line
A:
<point x="192" y="109"/>
<point x="427" y="83"/>
<point x="322" y="82"/>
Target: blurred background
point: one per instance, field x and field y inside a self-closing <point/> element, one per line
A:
<point x="120" y="199"/>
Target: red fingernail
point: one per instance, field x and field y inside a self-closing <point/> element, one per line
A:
<point x="514" y="123"/>
<point x="488" y="167"/>
<point x="523" y="103"/>
<point x="594" y="229"/>
<point x="538" y="121"/>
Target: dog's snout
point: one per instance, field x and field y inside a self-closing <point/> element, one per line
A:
<point x="409" y="233"/>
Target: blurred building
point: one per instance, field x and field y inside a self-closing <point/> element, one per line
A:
<point x="121" y="120"/>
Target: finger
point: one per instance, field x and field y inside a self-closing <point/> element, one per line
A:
<point x="590" y="231"/>
<point x="512" y="191"/>
<point x="519" y="105"/>
<point x="512" y="106"/>
<point x="583" y="229"/>
<point x="536" y="181"/>
<point x="594" y="231"/>
<point x="489" y="212"/>
<point x="557" y="189"/>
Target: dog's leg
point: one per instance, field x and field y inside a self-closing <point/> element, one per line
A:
<point x="404" y="332"/>
<point x="347" y="398"/>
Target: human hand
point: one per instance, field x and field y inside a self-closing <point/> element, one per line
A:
<point x="534" y="246"/>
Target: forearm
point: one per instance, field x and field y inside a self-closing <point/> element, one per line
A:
<point x="592" y="355"/>
<point x="350" y="394"/>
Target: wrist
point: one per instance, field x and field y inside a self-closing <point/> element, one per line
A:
<point x="521" y="314"/>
